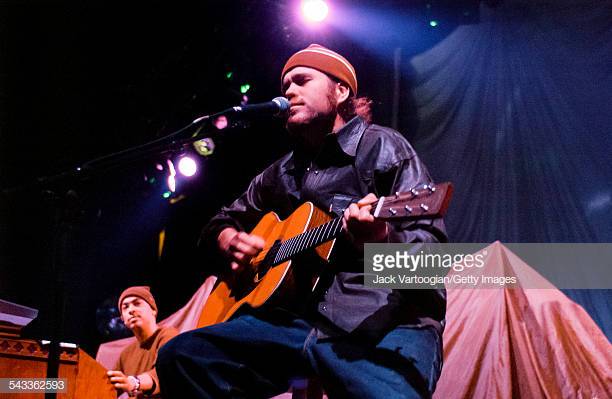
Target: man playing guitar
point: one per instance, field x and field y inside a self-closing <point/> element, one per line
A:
<point x="360" y="342"/>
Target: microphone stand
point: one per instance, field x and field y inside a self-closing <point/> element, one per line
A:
<point x="63" y="205"/>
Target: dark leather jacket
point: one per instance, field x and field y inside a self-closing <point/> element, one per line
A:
<point x="357" y="160"/>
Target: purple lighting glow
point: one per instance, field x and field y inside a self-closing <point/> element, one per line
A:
<point x="187" y="166"/>
<point x="314" y="10"/>
<point x="171" y="177"/>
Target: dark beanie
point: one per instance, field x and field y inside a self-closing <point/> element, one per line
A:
<point x="140" y="291"/>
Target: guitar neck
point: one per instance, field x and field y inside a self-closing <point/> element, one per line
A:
<point x="310" y="239"/>
<point x="427" y="202"/>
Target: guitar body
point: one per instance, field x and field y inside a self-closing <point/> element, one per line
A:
<point x="287" y="269"/>
<point x="265" y="283"/>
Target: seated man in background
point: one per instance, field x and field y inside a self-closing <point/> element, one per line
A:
<point x="135" y="373"/>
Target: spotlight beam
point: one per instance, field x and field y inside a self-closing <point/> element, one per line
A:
<point x="314" y="10"/>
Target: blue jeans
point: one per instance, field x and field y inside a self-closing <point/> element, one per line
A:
<point x="252" y="356"/>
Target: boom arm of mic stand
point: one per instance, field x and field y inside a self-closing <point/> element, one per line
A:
<point x="170" y="143"/>
<point x="167" y="144"/>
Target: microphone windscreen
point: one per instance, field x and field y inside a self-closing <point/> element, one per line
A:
<point x="283" y="104"/>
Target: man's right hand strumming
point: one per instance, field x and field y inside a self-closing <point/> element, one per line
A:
<point x="240" y="247"/>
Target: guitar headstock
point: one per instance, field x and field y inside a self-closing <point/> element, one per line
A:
<point x="422" y="202"/>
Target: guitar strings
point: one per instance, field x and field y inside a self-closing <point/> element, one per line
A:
<point x="263" y="253"/>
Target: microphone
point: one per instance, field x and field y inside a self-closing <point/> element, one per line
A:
<point x="277" y="107"/>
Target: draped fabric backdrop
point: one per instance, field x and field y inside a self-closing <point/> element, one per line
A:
<point x="516" y="111"/>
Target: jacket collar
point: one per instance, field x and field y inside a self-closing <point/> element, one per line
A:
<point x="350" y="134"/>
<point x="347" y="138"/>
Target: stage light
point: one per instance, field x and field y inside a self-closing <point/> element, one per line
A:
<point x="171" y="177"/>
<point x="314" y="10"/>
<point x="221" y="122"/>
<point x="433" y="23"/>
<point x="187" y="166"/>
<point x="229" y="75"/>
<point x="206" y="146"/>
<point x="244" y="88"/>
<point x="171" y="183"/>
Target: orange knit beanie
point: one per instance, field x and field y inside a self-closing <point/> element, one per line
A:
<point x="324" y="60"/>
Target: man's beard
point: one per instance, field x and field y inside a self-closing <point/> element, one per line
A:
<point x="310" y="135"/>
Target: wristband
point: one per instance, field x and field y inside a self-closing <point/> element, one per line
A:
<point x="136" y="381"/>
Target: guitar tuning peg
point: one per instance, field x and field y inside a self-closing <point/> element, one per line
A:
<point x="408" y="209"/>
<point x="392" y="211"/>
<point x="430" y="187"/>
<point x="414" y="192"/>
<point x="424" y="207"/>
<point x="397" y="194"/>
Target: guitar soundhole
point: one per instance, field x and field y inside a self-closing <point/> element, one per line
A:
<point x="268" y="262"/>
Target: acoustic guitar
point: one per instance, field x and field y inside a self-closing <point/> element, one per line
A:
<point x="272" y="278"/>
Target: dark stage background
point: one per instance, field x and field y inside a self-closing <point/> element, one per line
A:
<point x="510" y="100"/>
